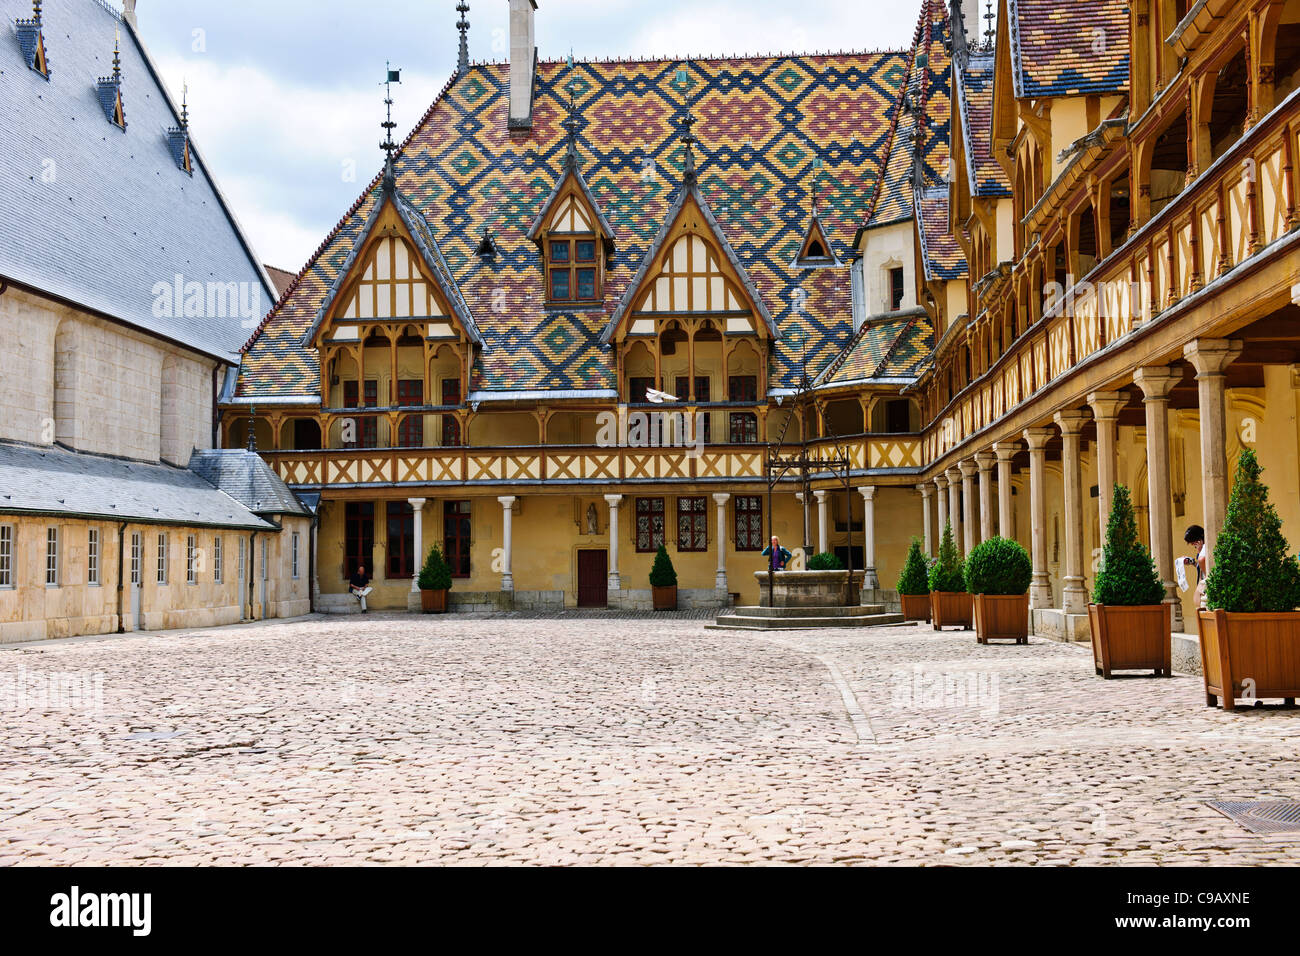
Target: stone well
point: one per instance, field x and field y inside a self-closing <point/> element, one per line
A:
<point x="808" y="588"/>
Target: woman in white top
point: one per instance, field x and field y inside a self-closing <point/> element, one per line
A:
<point x="1195" y="538"/>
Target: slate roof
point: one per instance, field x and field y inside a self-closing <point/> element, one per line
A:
<point x="764" y="122"/>
<point x="974" y="83"/>
<point x="59" y="482"/>
<point x="940" y="253"/>
<point x="247" y="478"/>
<point x="1066" y="49"/>
<point x="118" y="216"/>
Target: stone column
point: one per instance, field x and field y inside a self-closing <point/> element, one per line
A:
<point x="926" y="491"/>
<point x="968" y="534"/>
<point x="614" y="583"/>
<point x="417" y="504"/>
<point x="1211" y="358"/>
<point x="1105" y="409"/>
<point x="1005" y="451"/>
<point x="870" y="582"/>
<point x="721" y="501"/>
<point x="1075" y="597"/>
<point x="1156" y="384"/>
<point x="823" y="537"/>
<point x="954" y="506"/>
<point x="941" y="483"/>
<point x="507" y="528"/>
<point x="985" y="461"/>
<point x="1040" y="590"/>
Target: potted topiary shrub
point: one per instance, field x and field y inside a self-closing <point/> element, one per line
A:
<point x="914" y="585"/>
<point x="434" y="582"/>
<point x="826" y="561"/>
<point x="1250" y="636"/>
<point x="1131" y="626"/>
<point x="663" y="581"/>
<point x="998" y="572"/>
<point x="950" y="604"/>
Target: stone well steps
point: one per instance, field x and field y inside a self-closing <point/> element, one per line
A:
<point x="795" y="618"/>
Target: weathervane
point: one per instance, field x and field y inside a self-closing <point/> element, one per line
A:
<point x="388" y="146"/>
<point x="689" y="140"/>
<point x="571" y="123"/>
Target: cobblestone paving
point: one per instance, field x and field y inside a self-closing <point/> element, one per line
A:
<point x="622" y="740"/>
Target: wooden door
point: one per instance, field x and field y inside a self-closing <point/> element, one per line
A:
<point x="593" y="579"/>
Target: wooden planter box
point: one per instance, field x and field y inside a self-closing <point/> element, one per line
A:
<point x="916" y="607"/>
<point x="1002" y="617"/>
<point x="1250" y="655"/>
<point x="1131" y="638"/>
<point x="433" y="602"/>
<point x="950" y="609"/>
<point x="665" y="598"/>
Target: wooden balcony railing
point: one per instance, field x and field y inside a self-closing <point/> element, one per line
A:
<point x="1245" y="201"/>
<point x="565" y="463"/>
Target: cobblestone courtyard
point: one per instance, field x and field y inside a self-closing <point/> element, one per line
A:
<point x="410" y="739"/>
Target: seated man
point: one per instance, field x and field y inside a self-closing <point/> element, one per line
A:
<point x="360" y="586"/>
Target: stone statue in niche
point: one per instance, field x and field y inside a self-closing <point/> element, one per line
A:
<point x="593" y="521"/>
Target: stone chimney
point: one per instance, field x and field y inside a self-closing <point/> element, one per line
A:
<point x="523" y="61"/>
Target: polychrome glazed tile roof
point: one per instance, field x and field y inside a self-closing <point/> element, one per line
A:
<point x="921" y="124"/>
<point x="974" y="83"/>
<point x="766" y="126"/>
<point x="939" y="250"/>
<point x="1065" y="49"/>
<point x="895" y="347"/>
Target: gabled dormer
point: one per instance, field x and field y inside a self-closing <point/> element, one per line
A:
<point x="31" y="39"/>
<point x="816" y="250"/>
<point x="178" y="138"/>
<point x="573" y="235"/>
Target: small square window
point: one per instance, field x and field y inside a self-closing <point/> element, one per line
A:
<point x="586" y="283"/>
<point x="586" y="250"/>
<point x="559" y="252"/>
<point x="559" y="284"/>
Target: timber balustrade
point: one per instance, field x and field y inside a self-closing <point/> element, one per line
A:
<point x="1245" y="201"/>
<point x="570" y="463"/>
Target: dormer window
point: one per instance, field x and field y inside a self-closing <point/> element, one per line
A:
<point x="573" y="270"/>
<point x="31" y="38"/>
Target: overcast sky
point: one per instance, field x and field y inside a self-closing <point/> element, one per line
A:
<point x="283" y="93"/>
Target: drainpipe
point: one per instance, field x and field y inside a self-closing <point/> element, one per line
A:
<point x="311" y="561"/>
<point x="252" y="569"/>
<point x="121" y="578"/>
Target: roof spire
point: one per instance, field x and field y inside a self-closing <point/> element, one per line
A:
<point x="36" y="10"/>
<point x="388" y="146"/>
<point x="689" y="141"/>
<point x="117" y="54"/>
<point x="990" y="18"/>
<point x="185" y="105"/>
<point x="462" y="63"/>
<point x="252" y="430"/>
<point x="571" y="123"/>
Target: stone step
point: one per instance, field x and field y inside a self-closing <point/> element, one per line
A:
<point x="856" y="610"/>
<point x="736" y="622"/>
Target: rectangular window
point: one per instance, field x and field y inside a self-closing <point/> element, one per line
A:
<point x="218" y="558"/>
<point x="358" y="537"/>
<point x="744" y="428"/>
<point x="742" y="388"/>
<point x="293" y="556"/>
<point x="701" y="395"/>
<point x="6" y="555"/>
<point x="242" y="561"/>
<point x="401" y="539"/>
<point x="895" y="289"/>
<point x="749" y="523"/>
<point x="191" y="570"/>
<point x="693" y="524"/>
<point x="649" y="524"/>
<point x="450" y="399"/>
<point x="410" y="394"/>
<point x="137" y="558"/>
<point x="92" y="556"/>
<point x="367" y="427"/>
<point x="637" y="388"/>
<point x="456" y="536"/>
<point x="573" y="270"/>
<point x="51" y="557"/>
<point x="162" y="558"/>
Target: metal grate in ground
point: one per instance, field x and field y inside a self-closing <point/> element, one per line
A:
<point x="1266" y="816"/>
